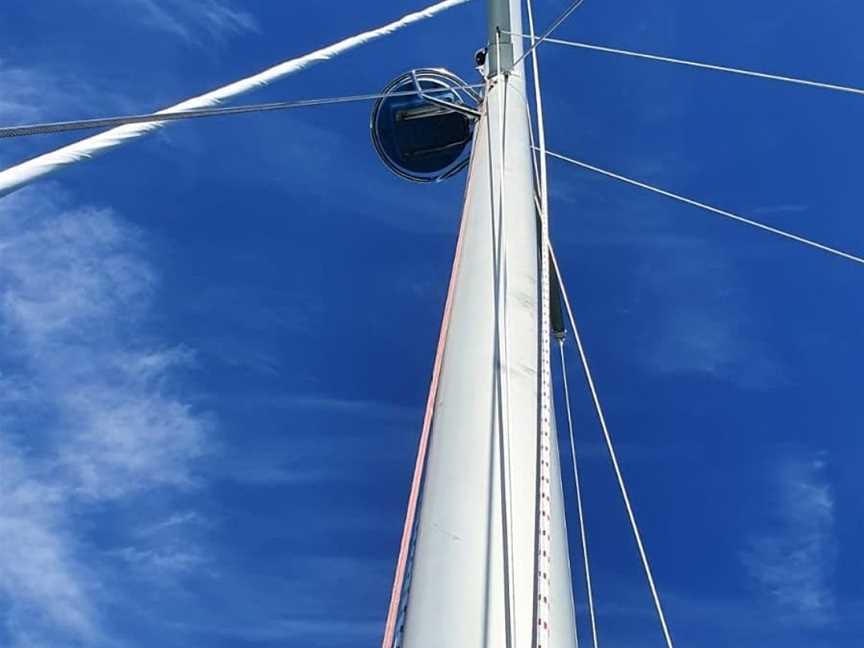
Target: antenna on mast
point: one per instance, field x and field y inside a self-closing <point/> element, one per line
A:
<point x="498" y="37"/>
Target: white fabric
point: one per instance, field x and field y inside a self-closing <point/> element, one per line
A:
<point x="17" y="176"/>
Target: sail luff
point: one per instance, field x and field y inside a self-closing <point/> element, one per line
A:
<point x="486" y="416"/>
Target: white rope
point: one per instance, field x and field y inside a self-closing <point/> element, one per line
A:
<point x="714" y="210"/>
<point x="704" y="66"/>
<point x="543" y="604"/>
<point x="579" y="510"/>
<point x="501" y="322"/>
<point x="541" y="129"/>
<point x="612" y="455"/>
<point x="24" y="173"/>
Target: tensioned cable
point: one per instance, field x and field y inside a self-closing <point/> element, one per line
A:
<point x="499" y="253"/>
<point x="537" y="161"/>
<point x="612" y="455"/>
<point x="543" y="603"/>
<point x="22" y="174"/>
<point x="698" y="64"/>
<point x="714" y="210"/>
<point x="579" y="509"/>
<point x="551" y="28"/>
<point x="110" y="122"/>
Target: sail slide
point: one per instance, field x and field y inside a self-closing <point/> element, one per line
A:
<point x="472" y="575"/>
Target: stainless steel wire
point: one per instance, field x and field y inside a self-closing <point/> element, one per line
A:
<point x="110" y="122"/>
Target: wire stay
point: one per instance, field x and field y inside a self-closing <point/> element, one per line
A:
<point x="551" y="28"/>
<point x="110" y="122"/>
<point x="544" y="603"/>
<point x="19" y="175"/>
<point x="715" y="210"/>
<point x="612" y="454"/>
<point x="501" y="398"/>
<point x="704" y="66"/>
<point x="586" y="566"/>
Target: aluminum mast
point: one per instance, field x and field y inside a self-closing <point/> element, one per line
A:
<point x="464" y="564"/>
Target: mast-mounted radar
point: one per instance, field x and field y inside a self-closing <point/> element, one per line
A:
<point x="422" y="125"/>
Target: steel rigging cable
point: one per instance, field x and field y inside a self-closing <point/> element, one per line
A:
<point x="22" y="174"/>
<point x="589" y="378"/>
<point x="704" y="66"/>
<point x="713" y="210"/>
<point x="583" y="533"/>
<point x="110" y="122"/>
<point x="551" y="28"/>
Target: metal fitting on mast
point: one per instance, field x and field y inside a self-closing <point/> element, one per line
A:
<point x="499" y="39"/>
<point x="423" y="124"/>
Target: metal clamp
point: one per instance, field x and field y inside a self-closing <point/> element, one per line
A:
<point x="461" y="108"/>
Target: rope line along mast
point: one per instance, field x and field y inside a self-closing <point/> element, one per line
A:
<point x="543" y="594"/>
<point x="489" y="563"/>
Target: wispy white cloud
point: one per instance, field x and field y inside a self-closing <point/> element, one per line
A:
<point x="693" y="304"/>
<point x="39" y="575"/>
<point x="325" y="629"/>
<point x="19" y="98"/>
<point x="167" y="549"/>
<point x="351" y="427"/>
<point x="314" y="599"/>
<point x="93" y="411"/>
<point x="193" y="21"/>
<point x="173" y="521"/>
<point x="154" y="562"/>
<point x="792" y="556"/>
<point x="29" y="94"/>
<point x="701" y="315"/>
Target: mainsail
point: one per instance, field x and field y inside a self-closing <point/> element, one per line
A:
<point x="487" y="561"/>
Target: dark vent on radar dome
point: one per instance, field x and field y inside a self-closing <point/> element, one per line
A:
<point x="417" y="138"/>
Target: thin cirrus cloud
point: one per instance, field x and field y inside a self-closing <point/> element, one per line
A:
<point x="792" y="557"/>
<point x="29" y="93"/>
<point x="192" y="21"/>
<point x="41" y="581"/>
<point x="32" y="93"/>
<point x="22" y="90"/>
<point x="91" y="415"/>
<point x="702" y="319"/>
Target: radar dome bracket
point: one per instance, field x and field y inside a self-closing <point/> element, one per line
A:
<point x="423" y="123"/>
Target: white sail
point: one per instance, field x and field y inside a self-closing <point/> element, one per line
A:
<point x="458" y="579"/>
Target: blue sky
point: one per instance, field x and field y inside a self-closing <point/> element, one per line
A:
<point x="215" y="342"/>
